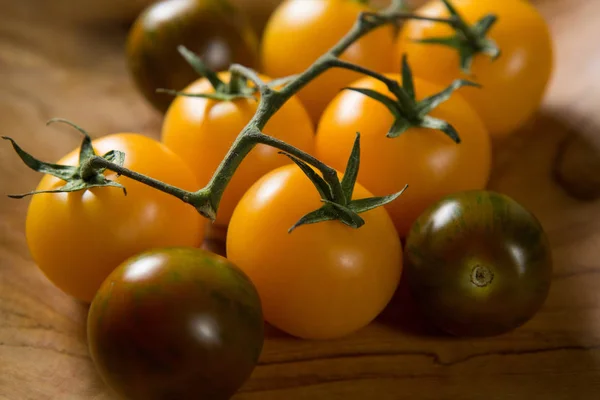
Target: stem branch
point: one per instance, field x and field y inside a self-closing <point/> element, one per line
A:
<point x="467" y="32"/>
<point x="98" y="162"/>
<point x="329" y="174"/>
<point x="392" y="85"/>
<point x="336" y="62"/>
<point x="251" y="75"/>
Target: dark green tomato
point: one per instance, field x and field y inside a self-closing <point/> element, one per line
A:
<point x="478" y="264"/>
<point x="176" y="324"/>
<point x="213" y="29"/>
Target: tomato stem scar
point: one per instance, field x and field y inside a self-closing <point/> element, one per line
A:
<point x="481" y="276"/>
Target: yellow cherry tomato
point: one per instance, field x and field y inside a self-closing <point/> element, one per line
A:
<point x="323" y="280"/>
<point x="300" y="31"/>
<point x="77" y="239"/>
<point x="201" y="131"/>
<point x="427" y="160"/>
<point x="513" y="85"/>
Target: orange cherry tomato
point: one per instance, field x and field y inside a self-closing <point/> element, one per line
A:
<point x="320" y="281"/>
<point x="513" y="85"/>
<point x="77" y="239"/>
<point x="427" y="160"/>
<point x="300" y="31"/>
<point x="202" y="131"/>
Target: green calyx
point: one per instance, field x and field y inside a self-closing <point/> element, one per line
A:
<point x="82" y="177"/>
<point x="410" y="113"/>
<point x="340" y="207"/>
<point x="468" y="40"/>
<point x="236" y="88"/>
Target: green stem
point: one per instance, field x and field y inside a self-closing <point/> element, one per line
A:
<point x="366" y="23"/>
<point x="360" y="28"/>
<point x="234" y="83"/>
<point x="336" y="62"/>
<point x="98" y="162"/>
<point x="225" y="171"/>
<point x="251" y="75"/>
<point x="460" y="25"/>
<point x="393" y="86"/>
<point x="467" y="32"/>
<point x="90" y="169"/>
<point x="207" y="199"/>
<point x="329" y="174"/>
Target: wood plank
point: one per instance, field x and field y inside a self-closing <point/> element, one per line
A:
<point x="49" y="69"/>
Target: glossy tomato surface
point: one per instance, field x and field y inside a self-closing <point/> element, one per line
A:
<point x="478" y="263"/>
<point x="320" y="281"/>
<point x="301" y="31"/>
<point x="427" y="160"/>
<point x="201" y="132"/>
<point x="78" y="238"/>
<point x="215" y="31"/>
<point x="513" y="85"/>
<point x="176" y="323"/>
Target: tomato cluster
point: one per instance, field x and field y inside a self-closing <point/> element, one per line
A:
<point x="201" y="131"/>
<point x="315" y="255"/>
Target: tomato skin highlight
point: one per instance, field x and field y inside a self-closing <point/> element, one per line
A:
<point x="201" y="132"/>
<point x="176" y="323"/>
<point x="301" y="31"/>
<point x="478" y="264"/>
<point x="78" y="238"/>
<point x="514" y="85"/>
<point x="427" y="160"/>
<point x="321" y="281"/>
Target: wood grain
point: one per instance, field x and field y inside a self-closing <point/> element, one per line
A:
<point x="49" y="69"/>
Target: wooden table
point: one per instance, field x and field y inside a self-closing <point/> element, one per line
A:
<point x="48" y="70"/>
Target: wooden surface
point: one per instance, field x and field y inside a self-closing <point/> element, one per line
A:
<point x="48" y="70"/>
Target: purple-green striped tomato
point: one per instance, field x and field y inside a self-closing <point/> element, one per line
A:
<point x="176" y="323"/>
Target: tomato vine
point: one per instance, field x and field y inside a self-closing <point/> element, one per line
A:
<point x="206" y="200"/>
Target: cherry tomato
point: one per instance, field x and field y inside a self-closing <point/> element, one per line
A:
<point x="478" y="263"/>
<point x="427" y="160"/>
<point x="78" y="238"/>
<point x="176" y="323"/>
<point x="300" y="31"/>
<point x="215" y="31"/>
<point x="201" y="131"/>
<point x="320" y="281"/>
<point x="513" y="85"/>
